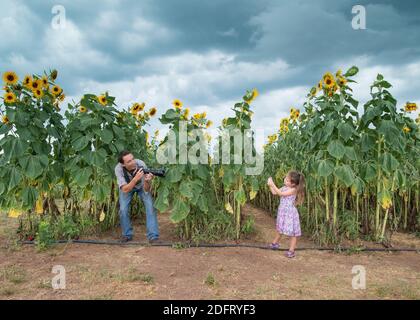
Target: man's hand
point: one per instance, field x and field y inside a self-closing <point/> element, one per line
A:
<point x="138" y="175"/>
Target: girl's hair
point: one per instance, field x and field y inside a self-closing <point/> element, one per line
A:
<point x="298" y="180"/>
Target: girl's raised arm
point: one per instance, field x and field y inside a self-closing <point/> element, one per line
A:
<point x="280" y="193"/>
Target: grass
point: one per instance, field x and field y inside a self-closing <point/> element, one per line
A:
<point x="13" y="274"/>
<point x="210" y="280"/>
<point x="7" y="291"/>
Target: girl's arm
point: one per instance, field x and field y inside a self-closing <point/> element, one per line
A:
<point x="277" y="191"/>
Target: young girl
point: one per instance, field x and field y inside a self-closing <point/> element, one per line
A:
<point x="292" y="193"/>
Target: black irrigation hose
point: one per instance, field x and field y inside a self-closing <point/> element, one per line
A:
<point x="223" y="245"/>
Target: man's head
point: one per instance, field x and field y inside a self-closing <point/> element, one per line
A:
<point x="126" y="158"/>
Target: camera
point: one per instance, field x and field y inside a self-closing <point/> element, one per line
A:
<point x="155" y="172"/>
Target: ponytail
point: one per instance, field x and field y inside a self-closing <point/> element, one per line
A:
<point x="298" y="180"/>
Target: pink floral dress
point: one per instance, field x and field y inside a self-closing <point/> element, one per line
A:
<point x="288" y="216"/>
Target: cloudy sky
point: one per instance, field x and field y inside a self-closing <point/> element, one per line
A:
<point x="207" y="53"/>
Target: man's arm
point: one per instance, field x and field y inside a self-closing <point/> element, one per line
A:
<point x="147" y="185"/>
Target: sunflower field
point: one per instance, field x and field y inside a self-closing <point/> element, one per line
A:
<point x="362" y="167"/>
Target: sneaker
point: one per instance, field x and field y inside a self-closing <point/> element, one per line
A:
<point x="154" y="241"/>
<point x="274" y="246"/>
<point x="125" y="239"/>
<point x="290" y="254"/>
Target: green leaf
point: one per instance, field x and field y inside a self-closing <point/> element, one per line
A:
<point x="367" y="142"/>
<point x="240" y="196"/>
<point x="345" y="130"/>
<point x="389" y="163"/>
<point x="345" y="174"/>
<point x="15" y="178"/>
<point x="180" y="210"/>
<point x="29" y="196"/>
<point x="174" y="174"/>
<point x="352" y="71"/>
<point x="202" y="203"/>
<point x="2" y="188"/>
<point x="351" y="154"/>
<point x="336" y="149"/>
<point x="325" y="168"/>
<point x="80" y="143"/>
<point x="82" y="177"/>
<point x="368" y="172"/>
<point x="107" y="136"/>
<point x="32" y="166"/>
<point x="185" y="189"/>
<point x="162" y="200"/>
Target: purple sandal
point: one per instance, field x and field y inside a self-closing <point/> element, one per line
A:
<point x="290" y="254"/>
<point x="274" y="246"/>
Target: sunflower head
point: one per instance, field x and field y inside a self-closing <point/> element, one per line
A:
<point x="9" y="77"/>
<point x="38" y="93"/>
<point x="54" y="74"/>
<point x="209" y="124"/>
<point x="82" y="109"/>
<point x="27" y="81"/>
<point x="62" y="97"/>
<point x="410" y="106"/>
<point x="186" y="114"/>
<point x="9" y="97"/>
<point x="5" y="120"/>
<point x="44" y="82"/>
<point x="135" y="108"/>
<point x="102" y="100"/>
<point x="272" y="138"/>
<point x="406" y="129"/>
<point x="56" y="90"/>
<point x="320" y="85"/>
<point x="36" y="84"/>
<point x="152" y="111"/>
<point x="177" y="104"/>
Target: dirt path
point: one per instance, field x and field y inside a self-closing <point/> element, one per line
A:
<point x="117" y="272"/>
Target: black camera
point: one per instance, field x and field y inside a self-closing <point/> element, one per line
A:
<point x="155" y="172"/>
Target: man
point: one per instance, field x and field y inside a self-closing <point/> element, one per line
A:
<point x="132" y="180"/>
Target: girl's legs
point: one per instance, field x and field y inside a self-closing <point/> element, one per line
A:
<point x="277" y="238"/>
<point x="293" y="241"/>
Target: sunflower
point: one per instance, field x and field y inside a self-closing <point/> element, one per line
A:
<point x="410" y="107"/>
<point x="406" y="129"/>
<point x="9" y="97"/>
<point x="102" y="100"/>
<point x="314" y="91"/>
<point x="177" y="104"/>
<point x="54" y="74"/>
<point x="44" y="81"/>
<point x="339" y="73"/>
<point x="27" y="81"/>
<point x="36" y="84"/>
<point x="284" y="122"/>
<point x="255" y="94"/>
<point x="9" y="77"/>
<point x="82" y="109"/>
<point x="62" y="97"/>
<point x="329" y="81"/>
<point x="272" y="138"/>
<point x="320" y="86"/>
<point x="186" y="114"/>
<point x="5" y="120"/>
<point x="342" y="81"/>
<point x="152" y="111"/>
<point x="197" y="116"/>
<point x="135" y="108"/>
<point x="209" y="124"/>
<point x="56" y="90"/>
<point x="38" y="93"/>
